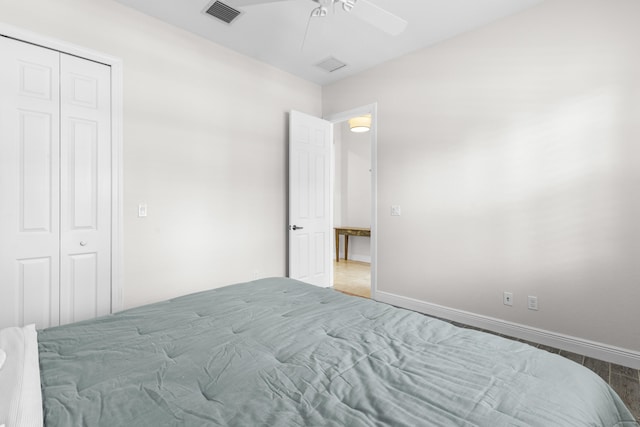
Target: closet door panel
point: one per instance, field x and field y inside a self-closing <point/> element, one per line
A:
<point x="35" y="291"/>
<point x="83" y="174"/>
<point x="84" y="286"/>
<point x="85" y="161"/>
<point x="35" y="163"/>
<point x="29" y="184"/>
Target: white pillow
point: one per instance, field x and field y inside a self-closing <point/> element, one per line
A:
<point x="20" y="394"/>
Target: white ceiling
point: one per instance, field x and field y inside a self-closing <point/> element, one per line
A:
<point x="273" y="32"/>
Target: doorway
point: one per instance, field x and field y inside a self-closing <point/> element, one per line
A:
<point x="311" y="231"/>
<point x="354" y="203"/>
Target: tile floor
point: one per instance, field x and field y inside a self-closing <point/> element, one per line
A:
<point x="354" y="278"/>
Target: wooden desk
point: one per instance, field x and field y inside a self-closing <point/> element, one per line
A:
<point x="346" y="232"/>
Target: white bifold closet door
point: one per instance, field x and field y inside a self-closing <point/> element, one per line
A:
<point x="55" y="186"/>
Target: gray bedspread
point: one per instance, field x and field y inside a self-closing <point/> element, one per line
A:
<point x="277" y="352"/>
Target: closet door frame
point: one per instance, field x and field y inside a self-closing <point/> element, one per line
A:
<point x="116" y="142"/>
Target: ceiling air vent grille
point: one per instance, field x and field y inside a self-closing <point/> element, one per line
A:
<point x="331" y="64"/>
<point x="223" y="12"/>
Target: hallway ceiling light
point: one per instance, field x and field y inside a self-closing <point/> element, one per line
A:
<point x="360" y="124"/>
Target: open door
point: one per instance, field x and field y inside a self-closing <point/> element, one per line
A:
<point x="310" y="212"/>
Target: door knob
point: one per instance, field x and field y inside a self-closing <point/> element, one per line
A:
<point x="295" y="227"/>
<point x="83" y="243"/>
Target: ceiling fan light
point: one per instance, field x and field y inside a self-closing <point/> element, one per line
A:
<point x="360" y="124"/>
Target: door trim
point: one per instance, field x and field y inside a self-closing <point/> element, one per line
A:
<point x="373" y="132"/>
<point x="117" y="282"/>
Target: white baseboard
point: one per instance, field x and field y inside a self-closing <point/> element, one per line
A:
<point x="585" y="347"/>
<point x="361" y="258"/>
<point x="355" y="257"/>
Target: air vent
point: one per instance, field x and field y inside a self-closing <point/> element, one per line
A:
<point x="223" y="12"/>
<point x="331" y="64"/>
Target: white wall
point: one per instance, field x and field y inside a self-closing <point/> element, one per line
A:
<point x="352" y="195"/>
<point x="205" y="142"/>
<point x="513" y="152"/>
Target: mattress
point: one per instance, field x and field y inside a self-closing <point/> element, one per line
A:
<point x="278" y="352"/>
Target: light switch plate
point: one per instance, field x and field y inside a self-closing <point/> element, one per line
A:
<point x="395" y="210"/>
<point x="142" y="210"/>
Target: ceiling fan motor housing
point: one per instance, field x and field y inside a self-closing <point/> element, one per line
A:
<point x="346" y="4"/>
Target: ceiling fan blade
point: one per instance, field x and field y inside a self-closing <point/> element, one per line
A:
<point x="243" y="3"/>
<point x="379" y="17"/>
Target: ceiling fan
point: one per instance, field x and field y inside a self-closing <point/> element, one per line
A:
<point x="362" y="9"/>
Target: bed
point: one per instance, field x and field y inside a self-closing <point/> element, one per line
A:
<point x="277" y="352"/>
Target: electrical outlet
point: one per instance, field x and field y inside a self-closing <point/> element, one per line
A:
<point x="532" y="303"/>
<point x="396" y="210"/>
<point x="507" y="298"/>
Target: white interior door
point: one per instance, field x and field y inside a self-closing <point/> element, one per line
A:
<point x="310" y="199"/>
<point x="85" y="183"/>
<point x="29" y="185"/>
